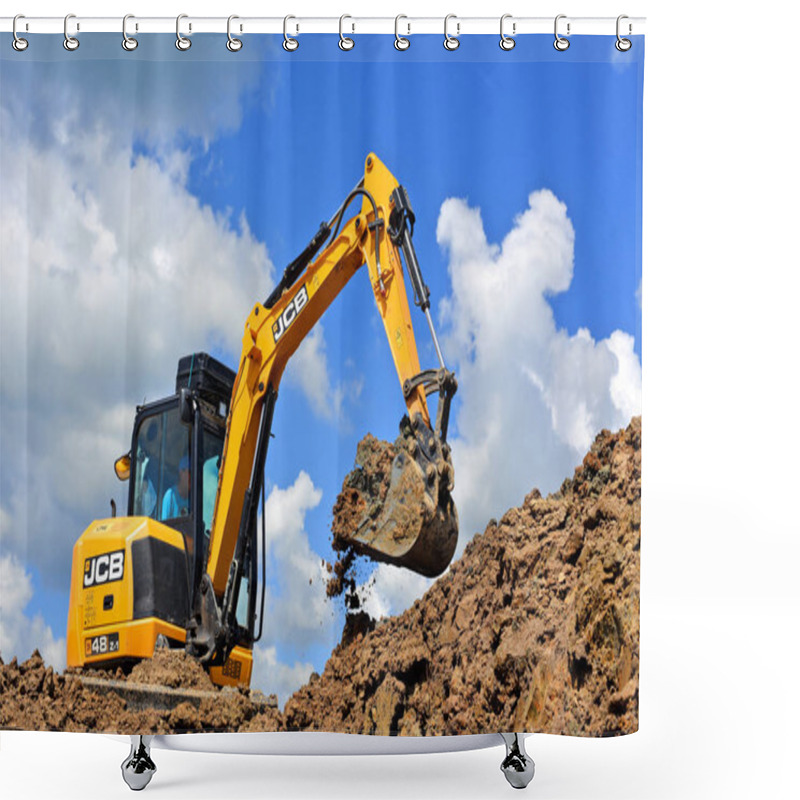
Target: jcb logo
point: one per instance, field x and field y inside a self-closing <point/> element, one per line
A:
<point x="290" y="313"/>
<point x="103" y="569"/>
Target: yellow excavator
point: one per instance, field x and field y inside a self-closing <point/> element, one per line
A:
<point x="180" y="570"/>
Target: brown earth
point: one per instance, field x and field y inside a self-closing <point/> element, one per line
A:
<point x="534" y="628"/>
<point x="34" y="697"/>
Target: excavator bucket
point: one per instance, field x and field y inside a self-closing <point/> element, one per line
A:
<point x="396" y="506"/>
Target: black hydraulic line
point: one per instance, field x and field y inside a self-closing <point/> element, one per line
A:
<point x="294" y="270"/>
<point x="375" y="225"/>
<point x="263" y="561"/>
<point x="422" y="294"/>
<point x="401" y="229"/>
<point x="249" y="507"/>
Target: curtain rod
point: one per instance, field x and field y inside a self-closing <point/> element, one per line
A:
<point x="514" y="26"/>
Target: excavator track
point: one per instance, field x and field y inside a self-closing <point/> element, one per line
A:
<point x="145" y="696"/>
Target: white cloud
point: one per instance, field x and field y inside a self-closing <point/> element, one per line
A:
<point x="20" y="634"/>
<point x="391" y="590"/>
<point x="308" y="369"/>
<point x="108" y="270"/>
<point x="298" y="614"/>
<point x="183" y="101"/>
<point x="111" y="270"/>
<point x="532" y="396"/>
<point x="274" y="677"/>
<point x="297" y="607"/>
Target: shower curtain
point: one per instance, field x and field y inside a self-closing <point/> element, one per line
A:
<point x="157" y="204"/>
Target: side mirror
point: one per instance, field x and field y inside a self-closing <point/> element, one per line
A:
<point x="186" y="406"/>
<point x="122" y="466"/>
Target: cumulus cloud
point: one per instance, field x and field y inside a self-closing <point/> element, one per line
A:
<point x="296" y="602"/>
<point x="21" y="634"/>
<point x="531" y="396"/>
<point x="201" y="99"/>
<point x="298" y="614"/>
<point x="111" y="270"/>
<point x="272" y="676"/>
<point x="108" y="264"/>
<point x="309" y="370"/>
<point x="391" y="590"/>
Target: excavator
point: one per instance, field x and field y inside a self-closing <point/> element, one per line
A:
<point x="181" y="569"/>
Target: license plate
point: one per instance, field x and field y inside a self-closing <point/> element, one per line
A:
<point x="102" y="645"/>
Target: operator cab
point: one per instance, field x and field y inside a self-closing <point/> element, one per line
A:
<point x="175" y="458"/>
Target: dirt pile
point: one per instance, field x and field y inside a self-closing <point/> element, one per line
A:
<point x="535" y="628"/>
<point x="174" y="669"/>
<point x="34" y="697"/>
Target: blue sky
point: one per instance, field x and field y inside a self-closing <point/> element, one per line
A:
<point x="269" y="143"/>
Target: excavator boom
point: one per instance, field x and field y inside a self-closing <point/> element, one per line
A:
<point x="275" y="329"/>
<point x="417" y="525"/>
<point x="180" y="570"/>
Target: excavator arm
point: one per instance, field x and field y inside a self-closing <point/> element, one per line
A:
<point x="417" y="527"/>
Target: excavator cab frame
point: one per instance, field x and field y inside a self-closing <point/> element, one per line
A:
<point x="203" y="430"/>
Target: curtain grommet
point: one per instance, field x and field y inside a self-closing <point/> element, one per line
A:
<point x="622" y="44"/>
<point x="451" y="43"/>
<point x="507" y="42"/>
<point x="182" y="42"/>
<point x="18" y="43"/>
<point x="561" y="43"/>
<point x="345" y="42"/>
<point x="401" y="43"/>
<point x="71" y="43"/>
<point x="129" y="43"/>
<point x="290" y="44"/>
<point x="233" y="44"/>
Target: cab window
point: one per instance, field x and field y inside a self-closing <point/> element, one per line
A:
<point x="162" y="467"/>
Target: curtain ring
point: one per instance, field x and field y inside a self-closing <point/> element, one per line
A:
<point x="623" y="45"/>
<point x="233" y="44"/>
<point x="290" y="44"/>
<point x="128" y="42"/>
<point x="18" y="43"/>
<point x="561" y="43"/>
<point x="181" y="42"/>
<point x="400" y="42"/>
<point x="70" y="42"/>
<point x="451" y="42"/>
<point x="345" y="43"/>
<point x="507" y="42"/>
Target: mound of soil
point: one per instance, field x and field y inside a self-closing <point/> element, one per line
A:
<point x="174" y="669"/>
<point x="535" y="628"/>
<point x="34" y="697"/>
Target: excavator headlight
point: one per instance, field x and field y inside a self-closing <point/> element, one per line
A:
<point x="122" y="466"/>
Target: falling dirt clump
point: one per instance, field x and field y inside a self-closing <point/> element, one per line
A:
<point x="534" y="628"/>
<point x="342" y="577"/>
<point x="363" y="492"/>
<point x="171" y="668"/>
